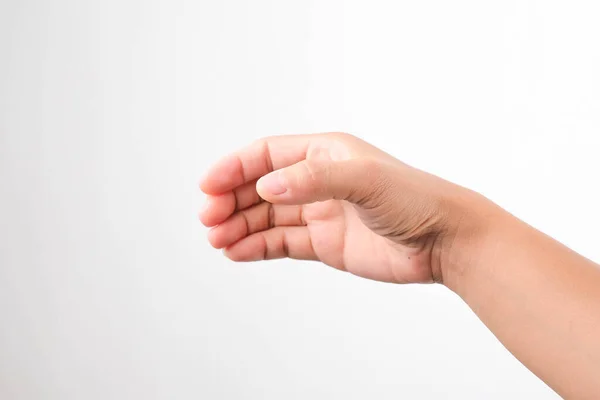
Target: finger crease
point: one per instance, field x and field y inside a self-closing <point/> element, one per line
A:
<point x="266" y="246"/>
<point x="267" y="156"/>
<point x="312" y="248"/>
<point x="246" y="222"/>
<point x="271" y="216"/>
<point x="236" y="200"/>
<point x="301" y="215"/>
<point x="242" y="168"/>
<point x="284" y="244"/>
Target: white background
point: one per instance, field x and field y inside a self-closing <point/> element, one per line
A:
<point x="111" y="110"/>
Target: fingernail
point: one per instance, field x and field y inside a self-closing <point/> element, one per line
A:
<point x="272" y="183"/>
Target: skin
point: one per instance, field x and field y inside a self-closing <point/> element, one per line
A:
<point x="336" y="199"/>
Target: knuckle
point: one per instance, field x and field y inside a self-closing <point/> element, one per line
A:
<point x="341" y="136"/>
<point x="315" y="173"/>
<point x="310" y="177"/>
<point x="347" y="146"/>
<point x="374" y="170"/>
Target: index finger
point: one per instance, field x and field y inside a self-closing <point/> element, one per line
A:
<point x="258" y="159"/>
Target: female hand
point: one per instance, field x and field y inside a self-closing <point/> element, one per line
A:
<point x="337" y="199"/>
<point x="334" y="198"/>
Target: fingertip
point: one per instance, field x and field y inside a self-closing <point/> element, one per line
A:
<point x="227" y="253"/>
<point x="208" y="185"/>
<point x="204" y="214"/>
<point x="202" y="183"/>
<point x="272" y="187"/>
<point x="238" y="252"/>
<point x="213" y="239"/>
<point x="217" y="209"/>
<point x="205" y="183"/>
<point x="262" y="193"/>
<point x="207" y="220"/>
<point x="232" y="255"/>
<point x="223" y="176"/>
<point x="202" y="219"/>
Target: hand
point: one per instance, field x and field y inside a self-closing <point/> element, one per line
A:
<point x="336" y="199"/>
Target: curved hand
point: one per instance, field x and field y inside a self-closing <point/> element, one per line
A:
<point x="336" y="199"/>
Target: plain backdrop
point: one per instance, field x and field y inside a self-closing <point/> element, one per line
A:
<point x="110" y="111"/>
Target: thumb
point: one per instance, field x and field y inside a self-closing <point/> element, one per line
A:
<point x="356" y="180"/>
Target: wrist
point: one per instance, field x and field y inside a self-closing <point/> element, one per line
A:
<point x="467" y="238"/>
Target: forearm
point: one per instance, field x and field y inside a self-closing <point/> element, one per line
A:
<point x="539" y="298"/>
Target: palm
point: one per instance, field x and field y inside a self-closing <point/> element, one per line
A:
<point x="342" y="240"/>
